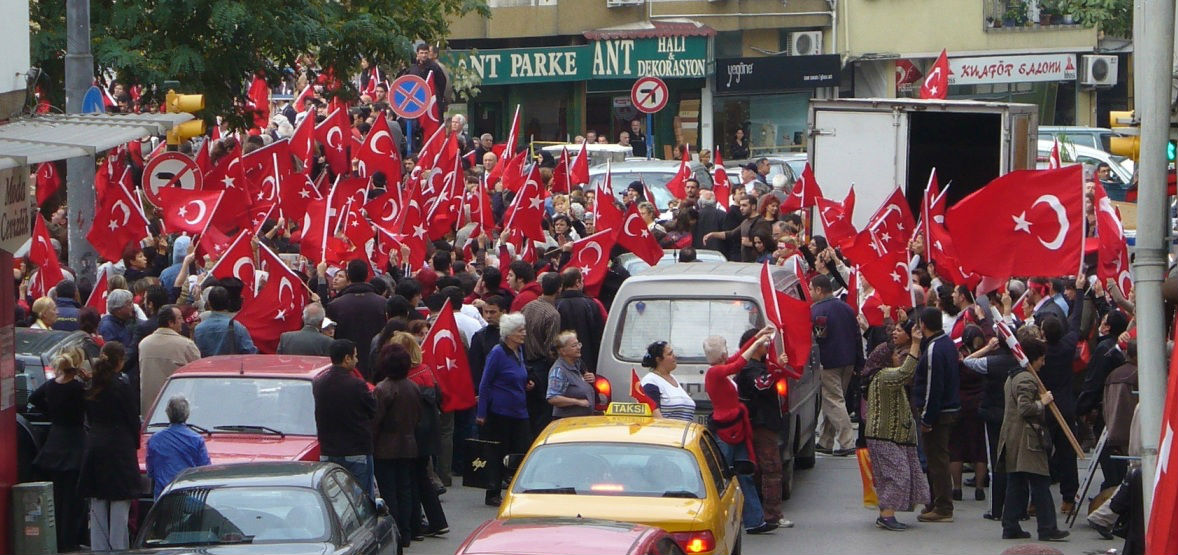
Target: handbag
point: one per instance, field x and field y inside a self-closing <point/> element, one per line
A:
<point x="1044" y="435"/>
<point x="485" y="467"/>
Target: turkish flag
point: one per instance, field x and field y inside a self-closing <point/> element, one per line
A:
<point x="313" y="242"/>
<point x="893" y="222"/>
<point x="331" y="133"/>
<point x="432" y="120"/>
<point x="385" y="210"/>
<point x="443" y="214"/>
<point x="228" y="175"/>
<point x="258" y="102"/>
<point x="378" y="153"/>
<point x="805" y="194"/>
<point x="238" y="262"/>
<point x="97" y="299"/>
<point x="1113" y="254"/>
<point x="353" y="225"/>
<point x="792" y="317"/>
<point x="118" y="222"/>
<point x="836" y="219"/>
<point x="579" y="171"/>
<point x="480" y="208"/>
<point x="296" y="192"/>
<point x="1026" y="223"/>
<point x="300" y="103"/>
<point x="938" y="243"/>
<point x="258" y="215"/>
<point x="204" y="157"/>
<point x="527" y="211"/>
<point x="936" y="81"/>
<point x="443" y="352"/>
<point x="1054" y="162"/>
<point x="1161" y="536"/>
<point x="188" y="211"/>
<point x="265" y="169"/>
<point x="635" y="237"/>
<point x="302" y="143"/>
<point x="591" y="255"/>
<point x="212" y="242"/>
<point x="42" y="254"/>
<point x="605" y="209"/>
<point x="637" y="393"/>
<point x="560" y="174"/>
<point x="513" y="172"/>
<point x="678" y="184"/>
<point x="890" y="277"/>
<point x="394" y="242"/>
<point x="278" y="306"/>
<point x="721" y="187"/>
<point x="48" y="181"/>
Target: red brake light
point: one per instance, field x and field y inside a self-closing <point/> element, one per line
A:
<point x="50" y="373"/>
<point x="695" y="542"/>
<point x="782" y="387"/>
<point x="604" y="392"/>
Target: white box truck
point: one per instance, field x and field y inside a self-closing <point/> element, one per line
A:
<point x="879" y="143"/>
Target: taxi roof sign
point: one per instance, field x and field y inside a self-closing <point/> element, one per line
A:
<point x="628" y="409"/>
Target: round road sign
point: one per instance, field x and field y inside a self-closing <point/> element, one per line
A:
<point x="649" y="95"/>
<point x="170" y="169"/>
<point x="411" y="96"/>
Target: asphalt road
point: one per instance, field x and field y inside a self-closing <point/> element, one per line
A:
<point x="828" y="517"/>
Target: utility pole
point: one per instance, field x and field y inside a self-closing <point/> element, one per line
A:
<point x="79" y="76"/>
<point x="1153" y="43"/>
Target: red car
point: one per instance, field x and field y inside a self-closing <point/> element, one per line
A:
<point x="250" y="408"/>
<point x="567" y="536"/>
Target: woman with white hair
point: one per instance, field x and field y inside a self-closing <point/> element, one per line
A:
<point x="570" y="389"/>
<point x="503" y="406"/>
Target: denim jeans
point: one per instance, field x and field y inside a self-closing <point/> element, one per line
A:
<point x="360" y="466"/>
<point x="753" y="515"/>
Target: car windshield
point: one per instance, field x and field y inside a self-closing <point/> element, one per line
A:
<point x="685" y="323"/>
<point x="203" y="516"/>
<point x="656" y="181"/>
<point x="598" y="468"/>
<point x="638" y="265"/>
<point x="283" y="405"/>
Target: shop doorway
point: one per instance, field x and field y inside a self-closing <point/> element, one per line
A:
<point x="487" y="117"/>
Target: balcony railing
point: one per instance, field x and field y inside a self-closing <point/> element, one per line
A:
<point x="1024" y="15"/>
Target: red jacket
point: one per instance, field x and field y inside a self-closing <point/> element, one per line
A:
<point x="729" y="414"/>
<point x="529" y="293"/>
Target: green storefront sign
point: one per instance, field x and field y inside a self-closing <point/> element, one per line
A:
<point x="668" y="57"/>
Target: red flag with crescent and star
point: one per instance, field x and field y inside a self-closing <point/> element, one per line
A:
<point x="118" y="221"/>
<point x="605" y="210"/>
<point x="238" y="262"/>
<point x="805" y="194"/>
<point x="634" y="236"/>
<point x="378" y="152"/>
<point x="792" y="317"/>
<point x="278" y="306"/>
<point x="591" y="255"/>
<point x="1113" y="254"/>
<point x="936" y="81"/>
<point x="637" y="393"/>
<point x="42" y="253"/>
<point x="188" y="211"/>
<point x="1024" y="223"/>
<point x="331" y="133"/>
<point x="97" y="299"/>
<point x="721" y="186"/>
<point x="443" y="352"/>
<point x="836" y="219"/>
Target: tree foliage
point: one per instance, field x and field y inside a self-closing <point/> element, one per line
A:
<point x="1114" y="17"/>
<point x="214" y="47"/>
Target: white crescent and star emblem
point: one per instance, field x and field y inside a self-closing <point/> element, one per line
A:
<point x="120" y="205"/>
<point x="238" y="265"/>
<point x="284" y="283"/>
<point x="200" y="214"/>
<point x="629" y="231"/>
<point x="899" y="270"/>
<point x="1060" y="215"/>
<point x="337" y="132"/>
<point x="448" y="336"/>
<point x="594" y="245"/>
<point x="374" y="144"/>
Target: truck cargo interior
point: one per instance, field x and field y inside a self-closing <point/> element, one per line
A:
<point x="959" y="145"/>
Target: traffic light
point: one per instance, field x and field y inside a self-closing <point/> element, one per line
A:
<point x="1171" y="147"/>
<point x="1129" y="143"/>
<point x="189" y="103"/>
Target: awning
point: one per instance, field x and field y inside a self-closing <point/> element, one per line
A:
<point x="653" y="29"/>
<point x="43" y="138"/>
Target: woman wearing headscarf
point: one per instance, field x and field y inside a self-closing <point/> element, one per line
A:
<point x="891" y="437"/>
<point x="503" y="408"/>
<point x="63" y="400"/>
<point x="110" y="468"/>
<point x="570" y="389"/>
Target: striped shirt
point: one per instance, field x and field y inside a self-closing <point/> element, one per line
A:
<point x="672" y="400"/>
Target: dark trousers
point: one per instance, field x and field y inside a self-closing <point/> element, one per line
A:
<point x="936" y="449"/>
<point x="514" y="435"/>
<point x="1113" y="470"/>
<point x="1062" y="464"/>
<point x="398" y="488"/>
<point x="1039" y="486"/>
<point x="997" y="470"/>
<point x="539" y="411"/>
<point x="70" y="509"/>
<point x="427" y="500"/>
<point x="464" y="429"/>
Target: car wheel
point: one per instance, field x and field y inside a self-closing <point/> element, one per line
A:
<point x="805" y="457"/>
<point x="739" y="536"/>
<point x="787" y="479"/>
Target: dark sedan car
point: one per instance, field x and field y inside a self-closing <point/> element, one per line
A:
<point x="293" y="508"/>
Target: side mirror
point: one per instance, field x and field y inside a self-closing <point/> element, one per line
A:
<point x="511" y="462"/>
<point x="744" y="468"/>
<point x="381" y="508"/>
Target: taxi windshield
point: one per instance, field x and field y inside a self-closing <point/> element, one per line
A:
<point x="239" y="403"/>
<point x="598" y="468"/>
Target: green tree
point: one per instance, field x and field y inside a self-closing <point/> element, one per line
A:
<point x="214" y="47"/>
<point x="1114" y="17"/>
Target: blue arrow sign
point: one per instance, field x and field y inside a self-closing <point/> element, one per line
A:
<point x="94" y="102"/>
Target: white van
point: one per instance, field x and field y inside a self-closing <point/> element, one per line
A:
<point x="685" y="303"/>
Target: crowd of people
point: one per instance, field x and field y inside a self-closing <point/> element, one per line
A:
<point x="932" y="387"/>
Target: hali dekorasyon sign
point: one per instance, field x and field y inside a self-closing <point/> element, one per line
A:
<point x="666" y="57"/>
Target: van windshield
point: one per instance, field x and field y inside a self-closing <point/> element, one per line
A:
<point x="685" y="323"/>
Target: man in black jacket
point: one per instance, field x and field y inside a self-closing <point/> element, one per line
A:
<point x="580" y="314"/>
<point x="359" y="312"/>
<point x="757" y="387"/>
<point x="936" y="398"/>
<point x="344" y="409"/>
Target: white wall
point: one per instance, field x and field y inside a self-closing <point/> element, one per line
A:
<point x="14" y="27"/>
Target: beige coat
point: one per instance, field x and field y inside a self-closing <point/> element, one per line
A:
<point x="1018" y="441"/>
<point x="160" y="354"/>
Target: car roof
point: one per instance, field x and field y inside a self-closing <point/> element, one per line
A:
<point x="575" y="148"/>
<point x="1081" y="128"/>
<point x="556" y="536"/>
<point x="742" y="271"/>
<point x="34" y="342"/>
<point x="1046" y="146"/>
<point x="630" y="166"/>
<point x="263" y="474"/>
<point x="622" y="429"/>
<point x="276" y="366"/>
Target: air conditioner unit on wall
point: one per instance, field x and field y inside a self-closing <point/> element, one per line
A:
<point x="1098" y="71"/>
<point x="805" y="43"/>
<point x="623" y="3"/>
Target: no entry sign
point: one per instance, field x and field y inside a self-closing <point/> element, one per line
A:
<point x="411" y="97"/>
<point x="649" y="95"/>
<point x="170" y="169"/>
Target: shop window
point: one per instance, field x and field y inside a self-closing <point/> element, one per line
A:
<point x="729" y="44"/>
<point x="772" y="123"/>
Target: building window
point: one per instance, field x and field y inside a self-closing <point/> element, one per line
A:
<point x="772" y="123"/>
<point x="729" y="44"/>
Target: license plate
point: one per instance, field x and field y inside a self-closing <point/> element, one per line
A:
<point x="701" y="418"/>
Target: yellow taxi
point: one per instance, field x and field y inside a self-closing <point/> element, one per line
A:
<point x="632" y="467"/>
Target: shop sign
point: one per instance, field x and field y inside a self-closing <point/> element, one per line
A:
<point x="15" y="218"/>
<point x="1012" y="69"/>
<point x="777" y="73"/>
<point x="670" y="57"/>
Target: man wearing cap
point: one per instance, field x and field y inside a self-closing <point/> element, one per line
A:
<point x="310" y="340"/>
<point x="751" y="180"/>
